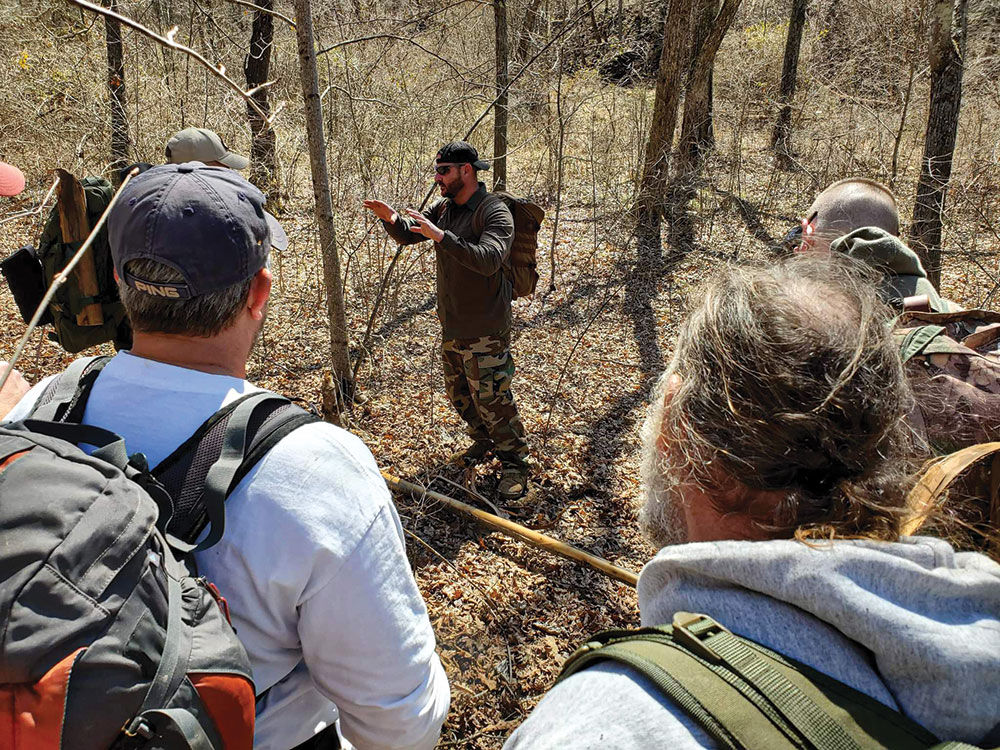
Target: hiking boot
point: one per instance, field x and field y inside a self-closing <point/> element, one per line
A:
<point x="471" y="455"/>
<point x="513" y="482"/>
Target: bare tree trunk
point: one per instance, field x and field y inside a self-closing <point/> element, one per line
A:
<point x="947" y="53"/>
<point x="653" y="185"/>
<point x="781" y="138"/>
<point x="256" y="68"/>
<point x="697" y="108"/>
<point x="527" y="30"/>
<point x="500" y="110"/>
<point x="701" y="27"/>
<point x="309" y="78"/>
<point x="121" y="144"/>
<point x="559" y="177"/>
<point x="710" y="30"/>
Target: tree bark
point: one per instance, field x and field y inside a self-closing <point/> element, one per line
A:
<point x="947" y="53"/>
<point x="309" y="78"/>
<point x="527" y="30"/>
<point x="256" y="68"/>
<point x="710" y="30"/>
<point x="653" y="185"/>
<point x="781" y="138"/>
<point x="121" y="144"/>
<point x="697" y="113"/>
<point x="500" y="110"/>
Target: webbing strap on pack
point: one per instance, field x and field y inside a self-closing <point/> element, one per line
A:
<point x="110" y="447"/>
<point x="220" y="476"/>
<point x="61" y="396"/>
<point x="747" y="697"/>
<point x="176" y="651"/>
<point x="816" y="726"/>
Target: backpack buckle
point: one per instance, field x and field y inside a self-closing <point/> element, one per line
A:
<point x="138" y="727"/>
<point x="691" y="630"/>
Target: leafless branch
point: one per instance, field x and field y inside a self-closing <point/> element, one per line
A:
<point x="274" y="13"/>
<point x="395" y="37"/>
<point x="168" y="41"/>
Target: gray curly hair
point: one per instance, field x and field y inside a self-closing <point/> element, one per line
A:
<point x="787" y="379"/>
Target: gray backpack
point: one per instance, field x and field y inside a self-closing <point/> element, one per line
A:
<point x="108" y="638"/>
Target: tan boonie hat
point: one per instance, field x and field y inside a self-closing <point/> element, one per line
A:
<point x="201" y="144"/>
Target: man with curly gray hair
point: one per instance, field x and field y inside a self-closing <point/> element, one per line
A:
<point x="777" y="458"/>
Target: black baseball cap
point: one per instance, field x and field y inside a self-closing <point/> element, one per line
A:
<point x="460" y="152"/>
<point x="207" y="223"/>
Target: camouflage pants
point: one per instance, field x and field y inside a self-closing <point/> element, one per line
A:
<point x="477" y="375"/>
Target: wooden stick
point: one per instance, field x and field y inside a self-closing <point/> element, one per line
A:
<point x="523" y="533"/>
<point x="72" y="204"/>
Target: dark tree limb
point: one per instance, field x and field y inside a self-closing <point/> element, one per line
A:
<point x="947" y="54"/>
<point x="781" y="138"/>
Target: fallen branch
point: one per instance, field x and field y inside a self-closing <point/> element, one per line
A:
<point x="516" y="530"/>
<point x="60" y="278"/>
<point x="168" y="41"/>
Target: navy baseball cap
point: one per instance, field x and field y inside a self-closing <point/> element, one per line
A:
<point x="207" y="223"/>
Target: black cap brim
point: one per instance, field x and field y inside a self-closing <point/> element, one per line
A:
<point x="481" y="165"/>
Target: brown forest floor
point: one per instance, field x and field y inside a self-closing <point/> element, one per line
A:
<point x="506" y="615"/>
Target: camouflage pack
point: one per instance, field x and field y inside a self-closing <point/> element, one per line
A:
<point x="70" y="299"/>
<point x="953" y="363"/>
<point x="953" y="360"/>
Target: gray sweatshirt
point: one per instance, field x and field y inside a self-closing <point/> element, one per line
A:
<point x="928" y="617"/>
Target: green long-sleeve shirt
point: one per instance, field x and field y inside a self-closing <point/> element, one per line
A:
<point x="473" y="293"/>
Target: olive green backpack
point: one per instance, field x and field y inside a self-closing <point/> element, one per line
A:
<point x="69" y="299"/>
<point x="747" y="697"/>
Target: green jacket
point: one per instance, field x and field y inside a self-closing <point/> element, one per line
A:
<point x="903" y="274"/>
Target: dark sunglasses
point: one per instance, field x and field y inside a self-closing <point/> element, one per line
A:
<point x="443" y="169"/>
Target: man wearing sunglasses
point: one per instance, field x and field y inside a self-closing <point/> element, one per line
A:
<point x="472" y="231"/>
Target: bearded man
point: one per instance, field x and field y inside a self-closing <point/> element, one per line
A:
<point x="472" y="230"/>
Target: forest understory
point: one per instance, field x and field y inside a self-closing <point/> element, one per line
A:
<point x="588" y="346"/>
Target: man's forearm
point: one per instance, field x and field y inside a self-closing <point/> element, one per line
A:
<point x="399" y="230"/>
<point x="12" y="391"/>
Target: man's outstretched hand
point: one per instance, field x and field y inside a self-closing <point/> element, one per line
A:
<point x="382" y="210"/>
<point x="424" y="226"/>
<point x="15" y="387"/>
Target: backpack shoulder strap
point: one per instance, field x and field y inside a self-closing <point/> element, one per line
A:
<point x="65" y="398"/>
<point x="202" y="471"/>
<point x="746" y="696"/>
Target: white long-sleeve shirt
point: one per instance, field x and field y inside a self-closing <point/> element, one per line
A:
<point x="312" y="564"/>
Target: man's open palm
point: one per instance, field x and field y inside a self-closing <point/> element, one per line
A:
<point x="382" y="210"/>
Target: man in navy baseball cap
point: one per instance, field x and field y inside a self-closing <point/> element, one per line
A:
<point x="207" y="225"/>
<point x="312" y="558"/>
